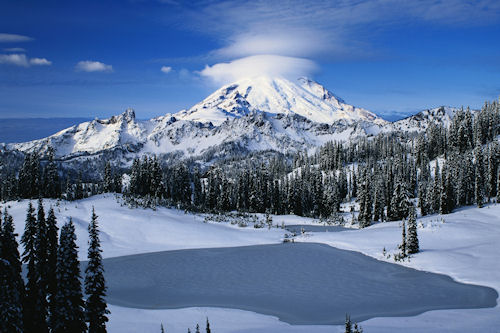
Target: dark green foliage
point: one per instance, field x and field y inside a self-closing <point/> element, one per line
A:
<point x="403" y="246"/>
<point x="208" y="327"/>
<point x="68" y="314"/>
<point x="51" y="184"/>
<point x="35" y="309"/>
<point x="400" y="202"/>
<point x="95" y="287"/>
<point x="479" y="188"/>
<point x="412" y="237"/>
<point x="52" y="245"/>
<point x="348" y="324"/>
<point x="11" y="282"/>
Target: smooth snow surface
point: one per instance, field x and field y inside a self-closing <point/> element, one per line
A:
<point x="464" y="245"/>
<point x="127" y="231"/>
<point x="276" y="95"/>
<point x="301" y="283"/>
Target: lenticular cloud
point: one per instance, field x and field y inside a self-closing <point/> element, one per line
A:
<point x="259" y="65"/>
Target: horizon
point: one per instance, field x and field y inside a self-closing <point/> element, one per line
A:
<point x="159" y="57"/>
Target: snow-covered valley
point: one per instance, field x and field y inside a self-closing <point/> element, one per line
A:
<point x="463" y="245"/>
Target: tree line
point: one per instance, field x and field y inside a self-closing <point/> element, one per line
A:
<point x="382" y="173"/>
<point x="52" y="297"/>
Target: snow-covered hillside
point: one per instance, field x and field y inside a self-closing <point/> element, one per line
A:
<point x="463" y="245"/>
<point x="250" y="115"/>
<point x="127" y="231"/>
<point x="441" y="115"/>
<point x="255" y="114"/>
<point x="277" y="95"/>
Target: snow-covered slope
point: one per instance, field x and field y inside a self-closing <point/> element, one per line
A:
<point x="419" y="122"/>
<point x="277" y="95"/>
<point x="254" y="114"/>
<point x="250" y="115"/>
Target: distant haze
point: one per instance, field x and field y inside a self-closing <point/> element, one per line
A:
<point x="27" y="129"/>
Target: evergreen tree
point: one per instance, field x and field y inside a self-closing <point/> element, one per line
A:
<point x="365" y="203"/>
<point x="35" y="310"/>
<point x="436" y="189"/>
<point x="11" y="281"/>
<point x="348" y="324"/>
<point x="412" y="241"/>
<point x="357" y="329"/>
<point x="52" y="245"/>
<point x="41" y="248"/>
<point x="208" y="327"/>
<point x="68" y="313"/>
<point x="498" y="185"/>
<point x="108" y="178"/>
<point x="403" y="246"/>
<point x="95" y="287"/>
<point x="52" y="186"/>
<point x="479" y="176"/>
<point x="400" y="202"/>
<point x="162" y="330"/>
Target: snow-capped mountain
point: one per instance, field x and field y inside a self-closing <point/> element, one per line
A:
<point x="277" y="96"/>
<point x="442" y="115"/>
<point x="249" y="115"/>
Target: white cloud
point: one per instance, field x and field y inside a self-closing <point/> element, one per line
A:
<point x="14" y="59"/>
<point x="22" y="60"/>
<point x="270" y="65"/>
<point x="299" y="43"/>
<point x="40" y="62"/>
<point x="15" y="49"/>
<point x="12" y="38"/>
<point x="93" y="66"/>
<point x="323" y="29"/>
<point x="166" y="69"/>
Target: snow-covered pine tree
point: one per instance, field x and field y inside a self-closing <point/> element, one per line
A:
<point x="11" y="281"/>
<point x="52" y="245"/>
<point x="52" y="186"/>
<point x="41" y="246"/>
<point x="478" y="176"/>
<point x="400" y="202"/>
<point x="498" y="185"/>
<point x="35" y="311"/>
<point x="435" y="190"/>
<point x="79" y="191"/>
<point x="348" y="324"/>
<point x="412" y="237"/>
<point x="357" y="328"/>
<point x="444" y="199"/>
<point x="402" y="246"/>
<point x="108" y="178"/>
<point x="378" y="204"/>
<point x="95" y="285"/>
<point x="208" y="327"/>
<point x="364" y="199"/>
<point x="197" y="328"/>
<point x="68" y="313"/>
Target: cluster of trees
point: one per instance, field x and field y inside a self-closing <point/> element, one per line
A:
<point x="349" y="326"/>
<point x="52" y="298"/>
<point x="44" y="178"/>
<point x="409" y="244"/>
<point x="384" y="174"/>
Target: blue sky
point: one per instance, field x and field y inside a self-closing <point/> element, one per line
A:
<point x="96" y="58"/>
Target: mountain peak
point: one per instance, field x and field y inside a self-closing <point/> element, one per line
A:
<point x="129" y="115"/>
<point x="276" y="95"/>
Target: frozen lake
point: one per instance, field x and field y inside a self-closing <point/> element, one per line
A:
<point x="300" y="283"/>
